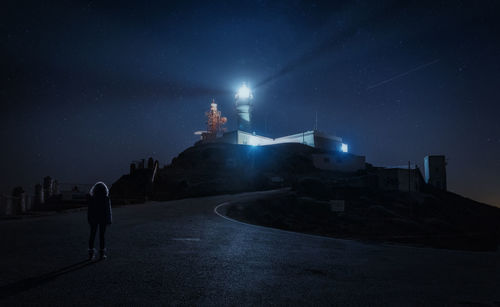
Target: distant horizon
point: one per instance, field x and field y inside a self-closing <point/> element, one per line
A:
<point x="109" y="182"/>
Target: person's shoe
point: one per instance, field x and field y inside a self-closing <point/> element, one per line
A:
<point x="91" y="254"/>
<point x="102" y="254"/>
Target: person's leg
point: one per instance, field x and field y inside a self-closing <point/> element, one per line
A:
<point x="102" y="244"/>
<point x="102" y="231"/>
<point x="93" y="230"/>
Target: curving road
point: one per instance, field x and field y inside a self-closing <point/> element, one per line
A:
<point x="182" y="253"/>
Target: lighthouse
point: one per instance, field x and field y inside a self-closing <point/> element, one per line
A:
<point x="243" y="101"/>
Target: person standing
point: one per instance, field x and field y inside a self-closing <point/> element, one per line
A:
<point x="99" y="216"/>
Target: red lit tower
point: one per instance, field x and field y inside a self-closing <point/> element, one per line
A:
<point x="214" y="122"/>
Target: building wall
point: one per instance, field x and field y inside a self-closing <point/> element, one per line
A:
<point x="229" y="137"/>
<point x="7" y="205"/>
<point x="342" y="162"/>
<point x="396" y="179"/>
<point x="405" y="175"/>
<point x="435" y="171"/>
<point x="245" y="138"/>
<point x="388" y="179"/>
<point x="310" y="138"/>
<point x="306" y="138"/>
<point x="10" y="205"/>
<point x="327" y="142"/>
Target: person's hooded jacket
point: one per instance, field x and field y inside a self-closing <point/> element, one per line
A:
<point x="99" y="210"/>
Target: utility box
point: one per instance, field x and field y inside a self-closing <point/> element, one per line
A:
<point x="435" y="171"/>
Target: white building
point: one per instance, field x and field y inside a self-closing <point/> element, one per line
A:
<point x="311" y="138"/>
<point x="334" y="154"/>
<point x="435" y="171"/>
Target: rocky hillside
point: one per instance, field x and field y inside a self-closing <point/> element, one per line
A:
<point x="216" y="168"/>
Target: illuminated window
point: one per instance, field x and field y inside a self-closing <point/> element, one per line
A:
<point x="344" y="147"/>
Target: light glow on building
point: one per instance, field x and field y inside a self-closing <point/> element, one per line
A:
<point x="344" y="148"/>
<point x="244" y="92"/>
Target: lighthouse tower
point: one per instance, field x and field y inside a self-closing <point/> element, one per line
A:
<point x="243" y="100"/>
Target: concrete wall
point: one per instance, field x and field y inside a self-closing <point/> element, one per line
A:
<point x="342" y="162"/>
<point x="408" y="180"/>
<point x="6" y="205"/>
<point x="229" y="137"/>
<point x="310" y="138"/>
<point x="327" y="142"/>
<point x="306" y="138"/>
<point x="15" y="205"/>
<point x="396" y="179"/>
<point x="245" y="138"/>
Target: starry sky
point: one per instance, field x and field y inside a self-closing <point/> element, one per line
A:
<point x="88" y="86"/>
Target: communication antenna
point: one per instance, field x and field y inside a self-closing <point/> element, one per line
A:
<point x="316" y="122"/>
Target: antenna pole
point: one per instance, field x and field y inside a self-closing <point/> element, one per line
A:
<point x="316" y="123"/>
<point x="409" y="177"/>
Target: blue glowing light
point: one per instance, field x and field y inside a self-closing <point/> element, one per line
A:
<point x="344" y="148"/>
<point x="244" y="92"/>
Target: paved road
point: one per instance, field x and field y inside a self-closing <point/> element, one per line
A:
<point x="182" y="253"/>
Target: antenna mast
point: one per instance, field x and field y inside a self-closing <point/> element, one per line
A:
<point x="214" y="121"/>
<point x="316" y="122"/>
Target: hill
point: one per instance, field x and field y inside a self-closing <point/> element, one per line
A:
<point x="429" y="218"/>
<point x="216" y="168"/>
<point x="425" y="216"/>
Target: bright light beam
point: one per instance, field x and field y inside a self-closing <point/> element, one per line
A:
<point x="403" y="74"/>
<point x="244" y="92"/>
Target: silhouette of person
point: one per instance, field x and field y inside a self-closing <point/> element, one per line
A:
<point x="99" y="216"/>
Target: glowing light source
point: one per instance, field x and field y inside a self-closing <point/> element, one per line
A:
<point x="244" y="92"/>
<point x="253" y="141"/>
<point x="344" y="147"/>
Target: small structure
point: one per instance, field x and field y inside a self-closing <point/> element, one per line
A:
<point x="17" y="203"/>
<point x="400" y="179"/>
<point x="55" y="188"/>
<point x="151" y="163"/>
<point x="19" y="199"/>
<point x="39" y="196"/>
<point x="435" y="171"/>
<point x="7" y="205"/>
<point x="48" y="183"/>
<point x="136" y="165"/>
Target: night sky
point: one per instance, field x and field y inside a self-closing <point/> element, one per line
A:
<point x="87" y="87"/>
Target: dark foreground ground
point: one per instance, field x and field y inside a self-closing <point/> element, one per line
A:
<point x="182" y="253"/>
<point x="445" y="220"/>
